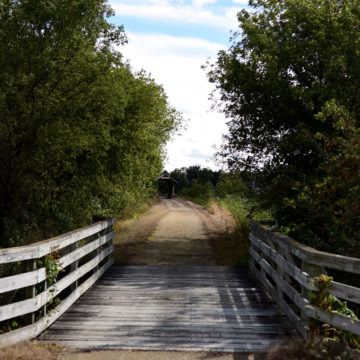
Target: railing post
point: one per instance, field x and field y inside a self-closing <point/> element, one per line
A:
<point x="98" y="252"/>
<point x="45" y="288"/>
<point x="31" y="291"/>
<point x="74" y="266"/>
<point x="313" y="271"/>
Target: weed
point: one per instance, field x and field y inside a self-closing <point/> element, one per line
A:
<point x="327" y="302"/>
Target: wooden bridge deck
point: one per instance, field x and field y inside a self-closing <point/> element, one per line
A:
<point x="172" y="308"/>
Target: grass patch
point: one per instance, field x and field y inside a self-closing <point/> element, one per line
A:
<point x="231" y="246"/>
<point x="315" y="348"/>
<point x="243" y="210"/>
<point x="31" y="350"/>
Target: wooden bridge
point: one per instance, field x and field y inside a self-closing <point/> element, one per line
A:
<point x="165" y="307"/>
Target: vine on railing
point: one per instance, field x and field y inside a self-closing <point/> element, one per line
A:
<point x="295" y="276"/>
<point x="29" y="295"/>
<point x="330" y="303"/>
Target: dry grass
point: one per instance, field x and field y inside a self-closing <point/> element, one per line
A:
<point x="315" y="348"/>
<point x="132" y="234"/>
<point x="30" y="351"/>
<point x="229" y="241"/>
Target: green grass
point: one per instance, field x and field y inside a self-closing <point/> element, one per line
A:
<point x="232" y="248"/>
<point x="243" y="210"/>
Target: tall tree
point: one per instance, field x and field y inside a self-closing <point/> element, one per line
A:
<point x="288" y="59"/>
<point x="290" y="62"/>
<point x="79" y="132"/>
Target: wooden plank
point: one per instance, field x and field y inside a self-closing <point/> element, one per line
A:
<point x="145" y="325"/>
<point x="339" y="321"/>
<point x="42" y="248"/>
<point x="35" y="303"/>
<point x="19" y="281"/>
<point x="31" y="331"/>
<point x="286" y="287"/>
<point x="308" y="254"/>
<point x="153" y="311"/>
<point x="62" y="284"/>
<point x="343" y="291"/>
<point x="240" y="346"/>
<point x="167" y="332"/>
<point x="339" y="290"/>
<point x="346" y="292"/>
<point x="68" y="259"/>
<point x="225" y="314"/>
<point x="301" y="277"/>
<point x="291" y="315"/>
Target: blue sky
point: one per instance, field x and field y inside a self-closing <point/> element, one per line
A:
<point x="171" y="39"/>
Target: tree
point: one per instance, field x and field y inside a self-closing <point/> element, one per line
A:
<point x="289" y="59"/>
<point x="79" y="133"/>
<point x="290" y="62"/>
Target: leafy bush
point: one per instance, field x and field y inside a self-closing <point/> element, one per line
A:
<point x="80" y="133"/>
<point x="200" y="193"/>
<point x="327" y="302"/>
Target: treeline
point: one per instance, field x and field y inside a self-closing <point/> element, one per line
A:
<point x="289" y="85"/>
<point x="204" y="185"/>
<point x="193" y="181"/>
<point x="81" y="134"/>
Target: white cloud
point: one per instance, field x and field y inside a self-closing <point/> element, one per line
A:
<point x="175" y="63"/>
<point x="162" y="10"/>
<point x="162" y="44"/>
<point x="203" y="2"/>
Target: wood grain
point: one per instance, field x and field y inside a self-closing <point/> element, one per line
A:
<point x="42" y="248"/>
<point x="272" y="261"/>
<point x="173" y="308"/>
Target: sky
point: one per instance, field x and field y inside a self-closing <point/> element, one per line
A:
<point x="171" y="40"/>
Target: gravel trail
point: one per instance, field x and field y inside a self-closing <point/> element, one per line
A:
<point x="180" y="238"/>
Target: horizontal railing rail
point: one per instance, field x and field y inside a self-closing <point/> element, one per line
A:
<point x="64" y="266"/>
<point x="287" y="269"/>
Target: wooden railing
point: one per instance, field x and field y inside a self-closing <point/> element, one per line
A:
<point x="286" y="268"/>
<point x="80" y="256"/>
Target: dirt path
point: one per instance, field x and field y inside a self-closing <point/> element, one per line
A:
<point x="174" y="232"/>
<point x="180" y="238"/>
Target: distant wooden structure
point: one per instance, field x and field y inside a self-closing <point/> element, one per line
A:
<point x="171" y="182"/>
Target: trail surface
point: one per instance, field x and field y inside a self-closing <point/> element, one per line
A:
<point x="180" y="238"/>
<point x="173" y="232"/>
<point x="177" y="235"/>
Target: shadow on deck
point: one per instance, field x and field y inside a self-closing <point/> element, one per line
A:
<point x="209" y="308"/>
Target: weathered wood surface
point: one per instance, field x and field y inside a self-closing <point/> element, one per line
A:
<point x="172" y="308"/>
<point x="95" y="250"/>
<point x="306" y="253"/>
<point x="287" y="268"/>
<point x="19" y="281"/>
<point x="32" y="331"/>
<point x="45" y="247"/>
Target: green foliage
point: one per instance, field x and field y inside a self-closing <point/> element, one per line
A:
<point x="289" y="85"/>
<point x="327" y="211"/>
<point x="14" y="325"/>
<point x="200" y="193"/>
<point x="195" y="174"/>
<point x="80" y="134"/>
<point x="243" y="209"/>
<point x="230" y="184"/>
<point x="51" y="264"/>
<point x="327" y="302"/>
